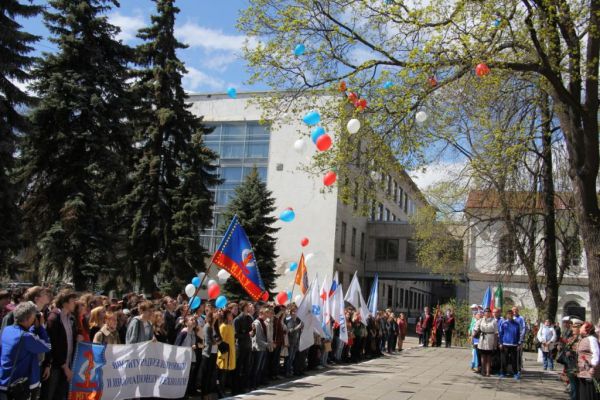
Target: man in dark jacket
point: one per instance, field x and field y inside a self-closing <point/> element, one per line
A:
<point x="243" y="346"/>
<point x="426" y="326"/>
<point x="62" y="332"/>
<point x="170" y="317"/>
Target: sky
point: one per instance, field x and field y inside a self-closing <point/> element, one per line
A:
<point x="213" y="58"/>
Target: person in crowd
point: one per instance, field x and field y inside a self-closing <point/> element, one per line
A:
<point x="4" y="302"/>
<point x="588" y="363"/>
<point x="159" y="327"/>
<point x="360" y="334"/>
<point x="170" y="318"/>
<point x="279" y="334"/>
<point x="449" y="325"/>
<point x="81" y="322"/>
<point x="208" y="364"/>
<point x="22" y="343"/>
<point x="426" y="326"/>
<point x="293" y="326"/>
<point x="259" y="348"/>
<point x="402" y="330"/>
<point x="122" y="323"/>
<point x="188" y="338"/>
<point x="487" y="330"/>
<point x="565" y="333"/>
<point x="140" y="327"/>
<point x="108" y="333"/>
<point x="546" y="336"/>
<point x="226" y="355"/>
<point x="269" y="316"/>
<point x="62" y="332"/>
<point x="243" y="341"/>
<point x="38" y="295"/>
<point x="476" y="359"/>
<point x="438" y="324"/>
<point x="419" y="330"/>
<point x="96" y="320"/>
<point x="510" y="340"/>
<point x="392" y="333"/>
<point x="523" y="326"/>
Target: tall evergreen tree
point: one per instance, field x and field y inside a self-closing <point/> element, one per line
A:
<point x="15" y="46"/>
<point x="254" y="205"/>
<point x="74" y="158"/>
<point x="170" y="201"/>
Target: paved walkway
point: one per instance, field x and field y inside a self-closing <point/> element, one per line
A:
<point x="417" y="374"/>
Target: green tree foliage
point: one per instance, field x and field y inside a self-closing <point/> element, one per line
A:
<point x="15" y="46"/>
<point x="170" y="202"/>
<point x="254" y="206"/>
<point x="555" y="43"/>
<point x="73" y="161"/>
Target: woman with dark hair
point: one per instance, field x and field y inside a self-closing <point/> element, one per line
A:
<point x="209" y="356"/>
<point x="188" y="337"/>
<point x="159" y="326"/>
<point x="588" y="363"/>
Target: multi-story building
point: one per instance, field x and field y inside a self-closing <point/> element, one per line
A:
<point x="492" y="258"/>
<point x="341" y="240"/>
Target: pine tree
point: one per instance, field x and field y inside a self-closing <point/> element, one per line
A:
<point x="254" y="205"/>
<point x="74" y="159"/>
<point x="170" y="201"/>
<point x="15" y="45"/>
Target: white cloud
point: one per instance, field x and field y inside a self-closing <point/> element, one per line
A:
<point x="196" y="79"/>
<point x="219" y="61"/>
<point x="211" y="39"/>
<point x="129" y="25"/>
<point x="437" y="172"/>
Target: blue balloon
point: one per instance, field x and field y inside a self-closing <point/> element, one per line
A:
<point x="221" y="302"/>
<point x="317" y="133"/>
<point x="497" y="23"/>
<point x="231" y="92"/>
<point x="289" y="293"/>
<point x="299" y="49"/>
<point x="311" y="118"/>
<point x="293" y="266"/>
<point x="196" y="281"/>
<point x="388" y="84"/>
<point x="287" y="216"/>
<point x="195" y="302"/>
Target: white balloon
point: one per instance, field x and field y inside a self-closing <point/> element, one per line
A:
<point x="299" y="145"/>
<point x="190" y="290"/>
<point x="353" y="125"/>
<point x="309" y="259"/>
<point x="211" y="282"/>
<point x="287" y="271"/>
<point x="421" y="117"/>
<point x="223" y="275"/>
<point x="201" y="275"/>
<point x="297" y="299"/>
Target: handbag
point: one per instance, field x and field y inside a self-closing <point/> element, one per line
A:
<point x="19" y="389"/>
<point x="223" y="347"/>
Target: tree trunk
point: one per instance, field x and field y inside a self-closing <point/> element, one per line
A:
<point x="549" y="258"/>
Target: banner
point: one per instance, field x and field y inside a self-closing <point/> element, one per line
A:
<point x="148" y="369"/>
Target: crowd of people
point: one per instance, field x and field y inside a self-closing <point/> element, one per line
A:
<point x="498" y="348"/>
<point x="244" y="345"/>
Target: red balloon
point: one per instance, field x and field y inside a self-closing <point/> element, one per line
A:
<point x="265" y="296"/>
<point x="329" y="178"/>
<point x="304" y="242"/>
<point x="282" y="298"/>
<point x="362" y="104"/>
<point x="352" y="97"/>
<point x="432" y="81"/>
<point x="482" y="70"/>
<point x="342" y="87"/>
<point x="214" y="291"/>
<point x="324" y="142"/>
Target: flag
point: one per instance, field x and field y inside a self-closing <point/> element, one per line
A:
<point x="309" y="312"/>
<point x="374" y="295"/>
<point x="325" y="305"/>
<point x="235" y="255"/>
<point x="339" y="313"/>
<point x="498" y="299"/>
<point x="487" y="298"/>
<point x="354" y="296"/>
<point x="334" y="284"/>
<point x="302" y="275"/>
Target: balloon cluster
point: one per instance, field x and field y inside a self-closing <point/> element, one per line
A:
<point x="214" y="290"/>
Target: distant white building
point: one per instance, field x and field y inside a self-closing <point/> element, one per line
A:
<point x="490" y="254"/>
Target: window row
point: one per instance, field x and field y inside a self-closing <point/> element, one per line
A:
<point x="389" y="250"/>
<point x="353" y="241"/>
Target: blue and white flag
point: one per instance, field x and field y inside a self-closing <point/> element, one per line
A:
<point x="339" y="312"/>
<point x="354" y="296"/>
<point x="374" y="296"/>
<point x="311" y="314"/>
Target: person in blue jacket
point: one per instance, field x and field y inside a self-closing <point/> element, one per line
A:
<point x="510" y="341"/>
<point x="28" y="338"/>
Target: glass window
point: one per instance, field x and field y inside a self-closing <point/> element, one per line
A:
<point x="411" y="250"/>
<point x="231" y="174"/>
<point x="405" y="202"/>
<point x="386" y="249"/>
<point x="223" y="197"/>
<point x="258" y="131"/>
<point x="232" y="150"/>
<point x="214" y="146"/>
<point x="387" y="215"/>
<point x="380" y="212"/>
<point x="233" y="132"/>
<point x="343" y="238"/>
<point x="257" y="150"/>
<point x="353" y="244"/>
<point x="573" y="249"/>
<point x="506" y="251"/>
<point x="362" y="245"/>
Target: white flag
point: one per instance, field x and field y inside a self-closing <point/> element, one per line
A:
<point x="309" y="312"/>
<point x="354" y="296"/>
<point x="325" y="305"/>
<point x="340" y="312"/>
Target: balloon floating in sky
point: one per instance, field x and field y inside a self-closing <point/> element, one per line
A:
<point x="231" y="92"/>
<point x="287" y="215"/>
<point x="304" y="242"/>
<point x="421" y="117"/>
<point x="190" y="290"/>
<point x="329" y="178"/>
<point x="432" y="81"/>
<point x="342" y="87"/>
<point x="299" y="145"/>
<point x="265" y="296"/>
<point x="316" y="133"/>
<point x="324" y="142"/>
<point x="311" y="118"/>
<point x="352" y="97"/>
<point x="293" y="266"/>
<point x="196" y="281"/>
<point x="298" y="298"/>
<point x="214" y="291"/>
<point x="353" y="126"/>
<point x="361" y="104"/>
<point x="497" y="22"/>
<point x="482" y="70"/>
<point x="223" y="275"/>
<point x="211" y="282"/>
<point x="221" y="302"/>
<point x="282" y="298"/>
<point x="299" y="49"/>
<point x="388" y="85"/>
<point x="289" y="294"/>
<point x="195" y="302"/>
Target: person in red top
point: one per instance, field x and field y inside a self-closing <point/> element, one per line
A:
<point x="426" y="326"/>
<point x="449" y="325"/>
<point x="439" y="328"/>
<point x="402" y="330"/>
